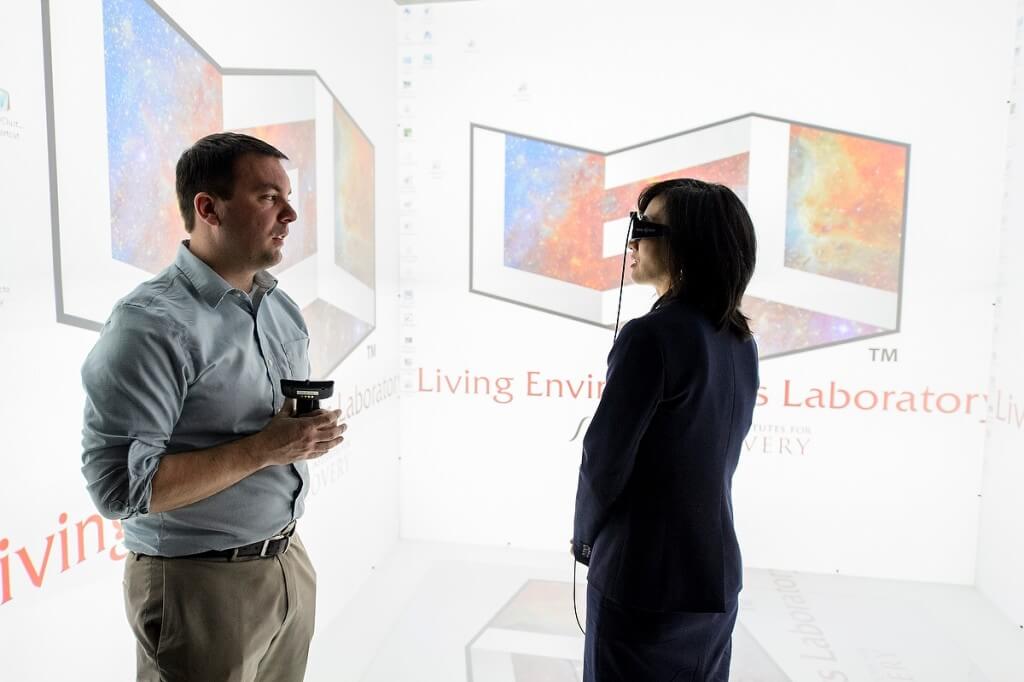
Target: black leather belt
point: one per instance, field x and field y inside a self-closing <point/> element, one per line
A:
<point x="263" y="549"/>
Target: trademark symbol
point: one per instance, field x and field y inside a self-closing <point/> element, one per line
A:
<point x="883" y="355"/>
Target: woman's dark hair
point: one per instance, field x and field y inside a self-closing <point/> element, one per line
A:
<point x="209" y="166"/>
<point x="711" y="248"/>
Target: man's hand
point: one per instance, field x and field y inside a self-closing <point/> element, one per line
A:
<point x="287" y="439"/>
<point x="187" y="477"/>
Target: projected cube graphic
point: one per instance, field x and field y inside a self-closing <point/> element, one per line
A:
<point x="549" y="222"/>
<point x="117" y="221"/>
<point x="534" y="638"/>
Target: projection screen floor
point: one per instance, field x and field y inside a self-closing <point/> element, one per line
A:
<point x="446" y="613"/>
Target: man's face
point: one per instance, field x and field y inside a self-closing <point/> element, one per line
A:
<point x="254" y="222"/>
<point x="649" y="261"/>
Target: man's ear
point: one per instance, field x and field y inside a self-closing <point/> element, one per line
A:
<point x="206" y="208"/>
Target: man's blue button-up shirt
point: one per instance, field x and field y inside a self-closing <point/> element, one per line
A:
<point x="188" y="362"/>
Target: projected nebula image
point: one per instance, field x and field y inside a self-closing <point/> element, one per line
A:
<point x="353" y="191"/>
<point x="829" y="212"/>
<point x="163" y="92"/>
<point x="553" y="210"/>
<point x="162" y="95"/>
<point x="556" y="205"/>
<point x="782" y="328"/>
<point x="845" y="207"/>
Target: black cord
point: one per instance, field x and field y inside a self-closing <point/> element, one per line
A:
<point x="618" y="315"/>
<point x="578" y="624"/>
<point x="622" y="281"/>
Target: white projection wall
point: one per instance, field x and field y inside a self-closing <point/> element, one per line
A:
<point x="287" y="76"/>
<point x="463" y="172"/>
<point x="530" y="126"/>
<point x="1000" y="551"/>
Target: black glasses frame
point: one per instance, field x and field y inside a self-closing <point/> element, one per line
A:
<point x="642" y="228"/>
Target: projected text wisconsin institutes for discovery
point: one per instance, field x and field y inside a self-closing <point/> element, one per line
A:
<point x="831" y="395"/>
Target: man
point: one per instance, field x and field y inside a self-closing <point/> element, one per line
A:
<point x="188" y="439"/>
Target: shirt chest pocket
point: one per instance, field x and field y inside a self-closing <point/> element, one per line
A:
<point x="294" y="358"/>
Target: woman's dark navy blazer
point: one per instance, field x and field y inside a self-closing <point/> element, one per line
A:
<point x="654" y="502"/>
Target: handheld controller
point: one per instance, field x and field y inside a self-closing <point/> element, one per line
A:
<point x="307" y="394"/>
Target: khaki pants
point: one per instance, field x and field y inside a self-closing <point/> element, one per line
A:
<point x="200" y="620"/>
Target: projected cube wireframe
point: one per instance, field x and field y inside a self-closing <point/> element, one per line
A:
<point x="549" y="221"/>
<point x="534" y="638"/>
<point x="117" y="222"/>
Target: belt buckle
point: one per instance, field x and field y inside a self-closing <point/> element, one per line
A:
<point x="277" y="538"/>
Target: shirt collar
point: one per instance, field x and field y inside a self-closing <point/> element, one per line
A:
<point x="212" y="287"/>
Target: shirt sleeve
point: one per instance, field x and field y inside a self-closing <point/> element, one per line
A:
<point x="633" y="388"/>
<point x="135" y="380"/>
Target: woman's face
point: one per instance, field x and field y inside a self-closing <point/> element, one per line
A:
<point x="649" y="263"/>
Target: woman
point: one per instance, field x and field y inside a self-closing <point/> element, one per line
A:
<point x="654" y="504"/>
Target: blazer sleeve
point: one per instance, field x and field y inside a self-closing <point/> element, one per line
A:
<point x="633" y="389"/>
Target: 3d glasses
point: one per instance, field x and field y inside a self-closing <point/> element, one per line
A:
<point x="642" y="228"/>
